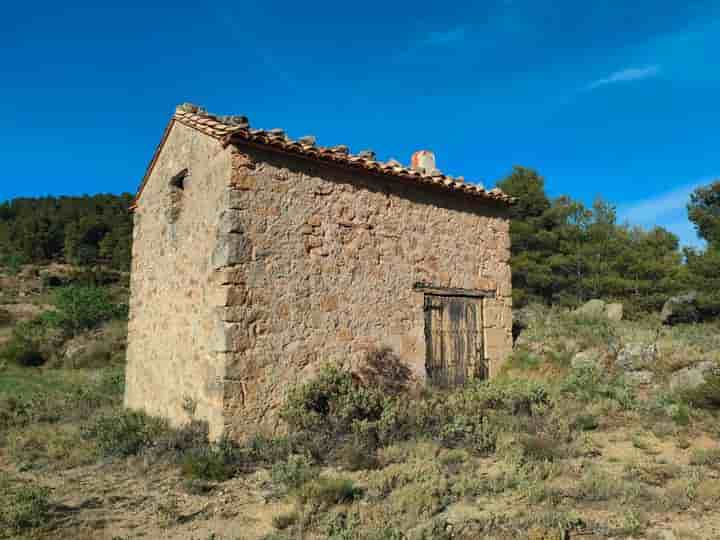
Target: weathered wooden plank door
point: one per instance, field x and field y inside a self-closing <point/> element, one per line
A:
<point x="454" y="339"/>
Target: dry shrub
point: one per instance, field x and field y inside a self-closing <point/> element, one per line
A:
<point x="384" y="370"/>
<point x="325" y="492"/>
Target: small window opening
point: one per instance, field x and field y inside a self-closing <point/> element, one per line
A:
<point x="175" y="196"/>
<point x="178" y="181"/>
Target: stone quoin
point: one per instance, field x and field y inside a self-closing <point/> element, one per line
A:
<point x="257" y="259"/>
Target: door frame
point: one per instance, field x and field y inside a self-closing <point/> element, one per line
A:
<point x="429" y="290"/>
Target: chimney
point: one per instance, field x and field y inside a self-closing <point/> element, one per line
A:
<point x="423" y="161"/>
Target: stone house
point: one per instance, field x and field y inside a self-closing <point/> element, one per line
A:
<point x="258" y="258"/>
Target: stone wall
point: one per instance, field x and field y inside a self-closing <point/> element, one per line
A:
<point x="323" y="271"/>
<point x="170" y="362"/>
<point x="258" y="268"/>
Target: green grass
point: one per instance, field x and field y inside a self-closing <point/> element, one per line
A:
<point x="27" y="382"/>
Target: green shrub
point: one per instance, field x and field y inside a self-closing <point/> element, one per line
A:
<point x="264" y="450"/>
<point x="515" y="396"/>
<point x="294" y="472"/>
<point x="326" y="492"/>
<point x="124" y="433"/>
<point x="325" y="412"/>
<point x="12" y="262"/>
<point x="453" y="458"/>
<point x="26" y="507"/>
<point x="355" y="456"/>
<point x="538" y="447"/>
<point x="705" y="396"/>
<point x="588" y="383"/>
<point x="190" y="436"/>
<point x="586" y="422"/>
<point x="476" y="432"/>
<point x="26" y="347"/>
<point x="197" y="486"/>
<point x="79" y="308"/>
<point x="672" y="406"/>
<point x="522" y="359"/>
<point x="589" y="332"/>
<point x="211" y="463"/>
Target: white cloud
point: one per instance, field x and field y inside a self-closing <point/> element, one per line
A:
<point x="626" y="75"/>
<point x="668" y="210"/>
<point x="647" y="211"/>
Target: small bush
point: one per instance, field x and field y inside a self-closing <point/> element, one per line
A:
<point x="294" y="472"/>
<point x="356" y="457"/>
<point x="453" y="458"/>
<point x="707" y="395"/>
<point x="191" y="436"/>
<point x="384" y="370"/>
<point x="12" y="262"/>
<point x="196" y="486"/>
<point x="588" y="383"/>
<point x="598" y="486"/>
<point x="264" y="450"/>
<point x="79" y="308"/>
<point x="522" y="359"/>
<point x="124" y="433"/>
<point x="27" y="346"/>
<point x="285" y="521"/>
<point x="538" y="447"/>
<point x="325" y="492"/>
<point x="589" y="332"/>
<point x="707" y="457"/>
<point x="326" y="412"/>
<point x="210" y="463"/>
<point x="586" y="422"/>
<point x="26" y="507"/>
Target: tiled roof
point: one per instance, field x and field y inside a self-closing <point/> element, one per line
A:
<point x="229" y="129"/>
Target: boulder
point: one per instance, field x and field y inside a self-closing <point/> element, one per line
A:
<point x="636" y="356"/>
<point x="691" y="377"/>
<point x="614" y="312"/>
<point x="680" y="309"/>
<point x="592" y="308"/>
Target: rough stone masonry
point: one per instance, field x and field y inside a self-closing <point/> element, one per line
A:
<point x="257" y="259"/>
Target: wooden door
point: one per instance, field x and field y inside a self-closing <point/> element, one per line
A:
<point x="454" y="339"/>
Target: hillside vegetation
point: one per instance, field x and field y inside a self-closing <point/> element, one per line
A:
<point x="564" y="253"/>
<point x="598" y="428"/>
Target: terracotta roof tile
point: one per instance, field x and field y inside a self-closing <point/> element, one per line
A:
<point x="229" y="129"/>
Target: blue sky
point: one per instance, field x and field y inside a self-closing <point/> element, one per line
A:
<point x="611" y="98"/>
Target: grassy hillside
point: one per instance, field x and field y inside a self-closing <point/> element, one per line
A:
<point x="597" y="429"/>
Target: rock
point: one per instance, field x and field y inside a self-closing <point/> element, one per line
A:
<point x="640" y="377"/>
<point x="614" y="312"/>
<point x="592" y="308"/>
<point x="691" y="377"/>
<point x="680" y="309"/>
<point x="586" y="359"/>
<point x="636" y="356"/>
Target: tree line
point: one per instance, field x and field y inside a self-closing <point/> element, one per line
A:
<point x="564" y="252"/>
<point x="85" y="231"/>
